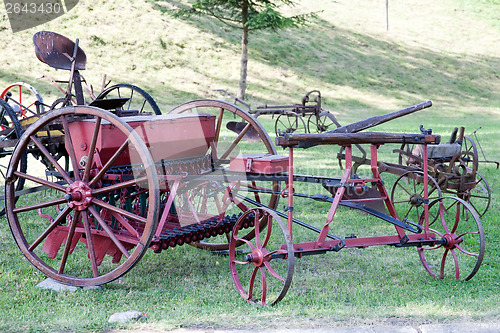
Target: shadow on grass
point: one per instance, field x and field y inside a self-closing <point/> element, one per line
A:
<point x="333" y="55"/>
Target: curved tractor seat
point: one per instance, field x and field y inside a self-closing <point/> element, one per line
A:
<point x="57" y="50"/>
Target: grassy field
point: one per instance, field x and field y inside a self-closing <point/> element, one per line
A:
<point x="446" y="51"/>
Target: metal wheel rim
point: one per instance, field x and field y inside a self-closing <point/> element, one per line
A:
<point x="459" y="210"/>
<point x="152" y="217"/>
<point x="271" y="216"/>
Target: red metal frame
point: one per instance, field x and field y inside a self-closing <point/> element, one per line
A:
<point x="400" y="238"/>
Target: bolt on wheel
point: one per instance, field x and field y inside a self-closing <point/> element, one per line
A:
<point x="263" y="273"/>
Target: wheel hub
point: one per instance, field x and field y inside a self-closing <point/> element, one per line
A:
<point x="78" y="195"/>
<point x="416" y="200"/>
<point x="256" y="257"/>
<point x="451" y="241"/>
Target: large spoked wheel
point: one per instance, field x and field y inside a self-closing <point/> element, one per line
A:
<point x="66" y="224"/>
<point x="138" y="99"/>
<point x="289" y="122"/>
<point x="408" y="197"/>
<point x="10" y="132"/>
<point x="229" y="198"/>
<point x="24" y="99"/>
<point x="461" y="240"/>
<point x="323" y="122"/>
<point x="263" y="273"/>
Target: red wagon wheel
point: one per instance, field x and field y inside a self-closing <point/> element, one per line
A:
<point x="264" y="272"/>
<point x="462" y="253"/>
<point x="237" y="132"/>
<point x="24" y="98"/>
<point x="65" y="225"/>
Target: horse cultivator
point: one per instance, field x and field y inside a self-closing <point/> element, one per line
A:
<point x="159" y="181"/>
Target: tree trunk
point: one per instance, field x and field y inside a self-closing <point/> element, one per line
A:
<point x="244" y="52"/>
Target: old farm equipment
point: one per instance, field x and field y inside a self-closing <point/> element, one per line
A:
<point x="452" y="167"/>
<point x="59" y="52"/>
<point x="157" y="182"/>
<point x="305" y="117"/>
<point x="21" y="104"/>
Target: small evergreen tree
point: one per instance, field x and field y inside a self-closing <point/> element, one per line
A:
<point x="247" y="15"/>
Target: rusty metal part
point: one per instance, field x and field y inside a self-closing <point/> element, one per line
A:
<point x="57" y="51"/>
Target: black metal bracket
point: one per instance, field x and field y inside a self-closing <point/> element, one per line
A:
<point x="339" y="246"/>
<point x="403" y="241"/>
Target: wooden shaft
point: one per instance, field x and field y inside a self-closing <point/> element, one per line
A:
<point x="310" y="140"/>
<point x="377" y="120"/>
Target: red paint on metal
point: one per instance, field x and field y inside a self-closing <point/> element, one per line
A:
<point x="167" y="136"/>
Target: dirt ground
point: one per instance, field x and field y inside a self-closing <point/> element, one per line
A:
<point x="400" y="327"/>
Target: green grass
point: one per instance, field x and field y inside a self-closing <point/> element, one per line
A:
<point x="447" y="52"/>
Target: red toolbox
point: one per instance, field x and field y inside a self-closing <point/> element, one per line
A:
<point x="259" y="163"/>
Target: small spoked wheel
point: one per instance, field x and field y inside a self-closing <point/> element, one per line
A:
<point x="263" y="272"/>
<point x="90" y="223"/>
<point x="408" y="195"/>
<point x="323" y="122"/>
<point x="460" y="245"/>
<point x="290" y="122"/>
<point x="138" y="99"/>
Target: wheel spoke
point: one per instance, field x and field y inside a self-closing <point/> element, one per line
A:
<point x="443" y="262"/>
<point x="118" y="210"/>
<point x="90" y="243"/>
<point x="257" y="231"/>
<point x="467" y="252"/>
<point x="110" y="232"/>
<point x="70" y="148"/>
<point x="119" y="186"/>
<point x="457" y="268"/>
<point x="273" y="272"/>
<point x="252" y="282"/>
<point x="457" y="218"/>
<point x="41" y="181"/>
<point x="108" y="165"/>
<point x="52" y="160"/>
<point x="264" y="285"/>
<point x="62" y="215"/>
<point x="219" y="125"/>
<point x="236" y="141"/>
<point x="49" y="203"/>
<point x="93" y="143"/>
<point x="269" y="230"/>
<point x="69" y="241"/>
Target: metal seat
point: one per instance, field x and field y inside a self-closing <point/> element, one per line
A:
<point x="57" y="50"/>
